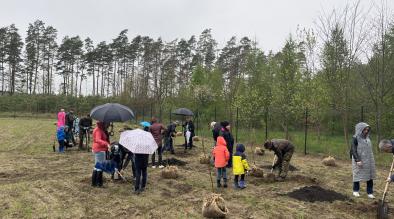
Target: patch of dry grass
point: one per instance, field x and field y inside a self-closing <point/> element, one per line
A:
<point x="37" y="183"/>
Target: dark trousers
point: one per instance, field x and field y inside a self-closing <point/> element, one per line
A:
<point x="169" y="145"/>
<point x="236" y="178"/>
<point x="70" y="135"/>
<point x="141" y="166"/>
<point x="190" y="145"/>
<point x="61" y="146"/>
<point x="356" y="186"/>
<point x="230" y="161"/>
<point x="160" y="152"/>
<point x="82" y="134"/>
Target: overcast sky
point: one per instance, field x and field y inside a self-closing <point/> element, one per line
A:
<point x="268" y="21"/>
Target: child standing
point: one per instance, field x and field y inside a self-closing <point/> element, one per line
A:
<point x="240" y="166"/>
<point x="61" y="136"/>
<point x="221" y="155"/>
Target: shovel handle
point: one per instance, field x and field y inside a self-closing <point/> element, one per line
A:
<point x="273" y="162"/>
<point x="387" y="183"/>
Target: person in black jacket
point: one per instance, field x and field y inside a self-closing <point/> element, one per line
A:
<point x="70" y="117"/>
<point x="226" y="133"/>
<point x="168" y="135"/>
<point x="189" y="126"/>
<point x="215" y="131"/>
<point x="85" y="124"/>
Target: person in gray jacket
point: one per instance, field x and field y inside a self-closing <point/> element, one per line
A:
<point x="363" y="162"/>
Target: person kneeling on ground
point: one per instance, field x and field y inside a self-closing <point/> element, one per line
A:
<point x="363" y="162"/>
<point x="240" y="166"/>
<point x="283" y="150"/>
<point x="221" y="156"/>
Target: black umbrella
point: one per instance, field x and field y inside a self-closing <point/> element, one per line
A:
<point x="183" y="112"/>
<point x="112" y="112"/>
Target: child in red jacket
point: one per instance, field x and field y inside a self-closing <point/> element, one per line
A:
<point x="221" y="155"/>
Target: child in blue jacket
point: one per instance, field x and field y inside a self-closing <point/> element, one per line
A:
<point x="61" y="138"/>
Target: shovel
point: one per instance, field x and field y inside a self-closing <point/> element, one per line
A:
<point x="383" y="208"/>
<point x="273" y="162"/>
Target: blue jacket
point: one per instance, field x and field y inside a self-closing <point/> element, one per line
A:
<point x="60" y="134"/>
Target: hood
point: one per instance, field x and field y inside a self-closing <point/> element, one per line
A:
<point x="359" y="128"/>
<point x="100" y="125"/>
<point x="240" y="148"/>
<point x="221" y="141"/>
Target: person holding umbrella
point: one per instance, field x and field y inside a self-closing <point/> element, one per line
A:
<point x="141" y="144"/>
<point x="157" y="130"/>
<point x="100" y="146"/>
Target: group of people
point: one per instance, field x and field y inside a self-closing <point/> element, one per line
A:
<point x="68" y="125"/>
<point x="224" y="157"/>
<point x="363" y="163"/>
<point x="105" y="152"/>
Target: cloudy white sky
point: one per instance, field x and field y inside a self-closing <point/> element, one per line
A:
<point x="267" y="21"/>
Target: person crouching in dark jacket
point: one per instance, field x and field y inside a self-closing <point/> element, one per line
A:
<point x="283" y="150"/>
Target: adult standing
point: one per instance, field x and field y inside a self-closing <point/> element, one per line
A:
<point x="141" y="166"/>
<point x="99" y="148"/>
<point x="169" y="134"/>
<point x="70" y="117"/>
<point x="189" y="133"/>
<point x="215" y="126"/>
<point x="226" y="133"/>
<point x="363" y="162"/>
<point x="157" y="129"/>
<point x="283" y="150"/>
<point x="85" y="124"/>
<point x="61" y="118"/>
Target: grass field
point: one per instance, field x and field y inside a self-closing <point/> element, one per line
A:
<point x="38" y="183"/>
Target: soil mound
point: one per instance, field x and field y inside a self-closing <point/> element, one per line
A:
<point x="316" y="194"/>
<point x="291" y="167"/>
<point x="173" y="162"/>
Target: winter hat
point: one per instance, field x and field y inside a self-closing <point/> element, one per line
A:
<point x="213" y="125"/>
<point x="240" y="148"/>
<point x="224" y="124"/>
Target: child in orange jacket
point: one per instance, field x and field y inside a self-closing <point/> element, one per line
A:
<point x="221" y="155"/>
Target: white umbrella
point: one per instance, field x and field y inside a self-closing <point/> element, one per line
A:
<point x="138" y="141"/>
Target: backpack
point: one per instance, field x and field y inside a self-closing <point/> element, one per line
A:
<point x="355" y="142"/>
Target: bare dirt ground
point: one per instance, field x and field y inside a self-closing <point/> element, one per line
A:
<point x="38" y="183"/>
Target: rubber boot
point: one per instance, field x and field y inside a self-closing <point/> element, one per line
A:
<point x="94" y="178"/>
<point x="236" y="186"/>
<point x="242" y="184"/>
<point x="218" y="183"/>
<point x="225" y="183"/>
<point x="99" y="178"/>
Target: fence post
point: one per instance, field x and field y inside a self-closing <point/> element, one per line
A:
<point x="161" y="119"/>
<point x="306" y="128"/>
<point x="151" y="110"/>
<point x="362" y="113"/>
<point x="266" y="123"/>
<point x="215" y="113"/>
<point x="143" y="113"/>
<point x="198" y="118"/>
<point x="170" y="116"/>
<point x="236" y="125"/>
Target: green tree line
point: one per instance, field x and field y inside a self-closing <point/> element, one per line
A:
<point x="334" y="69"/>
